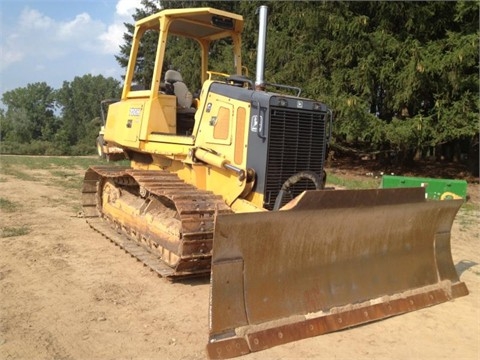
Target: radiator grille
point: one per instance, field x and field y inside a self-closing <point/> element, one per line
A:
<point x="296" y="143"/>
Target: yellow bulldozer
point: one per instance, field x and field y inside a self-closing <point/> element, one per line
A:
<point x="231" y="184"/>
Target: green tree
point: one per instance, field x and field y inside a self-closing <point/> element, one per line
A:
<point x="147" y="50"/>
<point x="79" y="103"/>
<point x="29" y="114"/>
<point x="413" y="62"/>
<point x="4" y="130"/>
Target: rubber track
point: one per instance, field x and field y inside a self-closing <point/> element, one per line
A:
<point x="196" y="209"/>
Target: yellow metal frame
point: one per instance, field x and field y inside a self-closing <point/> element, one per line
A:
<point x="182" y="22"/>
<point x="146" y="120"/>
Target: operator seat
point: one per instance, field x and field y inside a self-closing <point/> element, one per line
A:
<point x="184" y="96"/>
<point x="185" y="111"/>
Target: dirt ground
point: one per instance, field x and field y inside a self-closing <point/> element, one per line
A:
<point x="68" y="293"/>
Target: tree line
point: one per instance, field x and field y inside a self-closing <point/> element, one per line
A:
<point x="40" y="120"/>
<point x="401" y="77"/>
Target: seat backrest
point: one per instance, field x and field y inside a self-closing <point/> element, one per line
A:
<point x="184" y="96"/>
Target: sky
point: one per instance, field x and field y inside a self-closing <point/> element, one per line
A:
<point x="54" y="41"/>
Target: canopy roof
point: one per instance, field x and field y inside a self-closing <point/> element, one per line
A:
<point x="196" y="23"/>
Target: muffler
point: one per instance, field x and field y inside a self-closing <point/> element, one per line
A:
<point x="261" y="48"/>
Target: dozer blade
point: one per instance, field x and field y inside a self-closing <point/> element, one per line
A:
<point x="335" y="259"/>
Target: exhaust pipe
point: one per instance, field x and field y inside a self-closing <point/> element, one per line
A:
<point x="262" y="39"/>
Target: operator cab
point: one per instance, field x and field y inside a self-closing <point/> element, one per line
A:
<point x="179" y="33"/>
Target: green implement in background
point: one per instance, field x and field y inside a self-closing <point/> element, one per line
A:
<point x="436" y="189"/>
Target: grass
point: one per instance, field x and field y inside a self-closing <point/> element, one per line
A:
<point x="9" y="231"/>
<point x="7" y="205"/>
<point x="67" y="179"/>
<point x="470" y="207"/>
<point x="67" y="170"/>
<point x="58" y="171"/>
<point x="19" y="174"/>
<point x="468" y="216"/>
<point x="353" y="183"/>
<point x="49" y="162"/>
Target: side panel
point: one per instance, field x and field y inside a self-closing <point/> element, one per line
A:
<point x="160" y="117"/>
<point x="124" y="122"/>
<point x="135" y="120"/>
<point x="222" y="128"/>
<point x="219" y="128"/>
